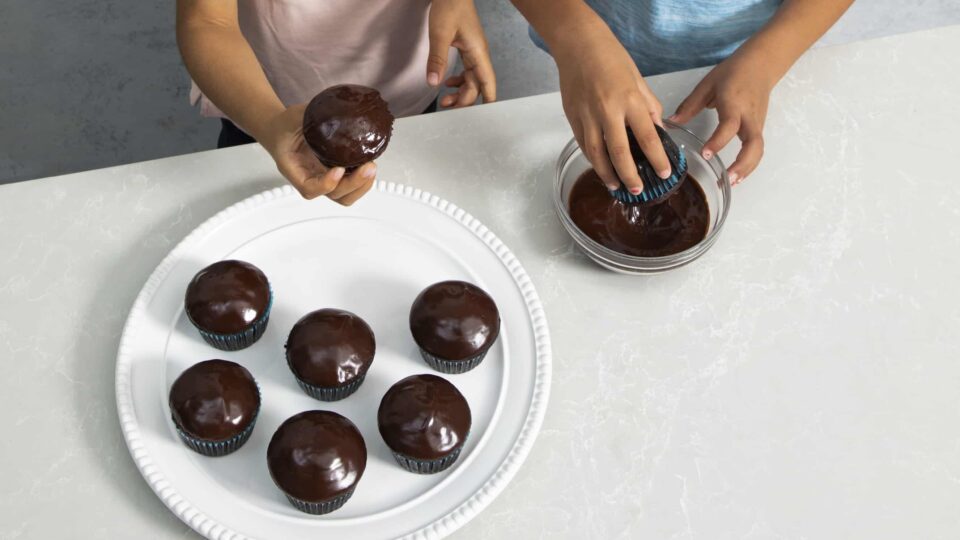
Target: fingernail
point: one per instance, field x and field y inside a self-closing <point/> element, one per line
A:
<point x="433" y="79"/>
<point x="664" y="174"/>
<point x="734" y="178"/>
<point x="371" y="171"/>
<point x="338" y="172"/>
<point x="635" y="190"/>
<point x="673" y="118"/>
<point x="707" y="154"/>
<point x="613" y="187"/>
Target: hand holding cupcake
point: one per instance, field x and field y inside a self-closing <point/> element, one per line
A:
<point x="327" y="147"/>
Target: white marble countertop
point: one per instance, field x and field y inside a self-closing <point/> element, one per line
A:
<point x="801" y="380"/>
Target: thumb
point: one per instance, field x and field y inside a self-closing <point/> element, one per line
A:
<point x="441" y="36"/>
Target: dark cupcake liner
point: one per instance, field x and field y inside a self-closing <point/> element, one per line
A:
<point x="331" y="393"/>
<point x="216" y="448"/>
<point x="656" y="189"/>
<point x="427" y="466"/>
<point x="452" y="366"/>
<point x="319" y="508"/>
<point x="242" y="340"/>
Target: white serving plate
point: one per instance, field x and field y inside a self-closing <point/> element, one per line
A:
<point x="371" y="259"/>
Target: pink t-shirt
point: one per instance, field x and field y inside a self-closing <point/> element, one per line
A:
<point x="305" y="46"/>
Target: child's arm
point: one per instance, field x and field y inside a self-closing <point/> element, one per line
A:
<point x="601" y="88"/>
<point x="739" y="87"/>
<point x="226" y="69"/>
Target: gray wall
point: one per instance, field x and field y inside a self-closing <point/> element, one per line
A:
<point x="94" y="83"/>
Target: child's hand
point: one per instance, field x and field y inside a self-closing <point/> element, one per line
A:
<point x="603" y="94"/>
<point x="739" y="89"/>
<point x="454" y="23"/>
<point x="296" y="162"/>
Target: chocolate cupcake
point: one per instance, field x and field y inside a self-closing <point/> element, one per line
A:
<point x="229" y="303"/>
<point x="214" y="405"/>
<point x="317" y="458"/>
<point x="425" y="421"/>
<point x="329" y="352"/>
<point x="347" y="125"/>
<point x="454" y="323"/>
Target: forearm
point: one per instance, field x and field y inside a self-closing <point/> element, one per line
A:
<point x="226" y="69"/>
<point x="556" y="21"/>
<point x="795" y="27"/>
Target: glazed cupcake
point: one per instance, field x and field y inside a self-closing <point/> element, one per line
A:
<point x="454" y="323"/>
<point x="329" y="352"/>
<point x="425" y="421"/>
<point x="214" y="405"/>
<point x="347" y="125"/>
<point x="317" y="458"/>
<point x="229" y="303"/>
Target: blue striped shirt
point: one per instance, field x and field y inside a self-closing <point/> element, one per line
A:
<point x="673" y="35"/>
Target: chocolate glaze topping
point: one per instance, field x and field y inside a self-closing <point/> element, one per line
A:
<point x="227" y="297"/>
<point x="678" y="223"/>
<point x="347" y="125"/>
<point x="214" y="400"/>
<point x="316" y="455"/>
<point x="454" y="320"/>
<point x="424" y="417"/>
<point x="330" y="347"/>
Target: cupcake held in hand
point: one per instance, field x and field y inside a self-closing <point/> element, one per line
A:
<point x="317" y="458"/>
<point x="454" y="323"/>
<point x="329" y="352"/>
<point x="229" y="303"/>
<point x="425" y="421"/>
<point x="214" y="405"/>
<point x="347" y="125"/>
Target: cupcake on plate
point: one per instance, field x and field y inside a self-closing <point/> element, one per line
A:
<point x="329" y="352"/>
<point x="214" y="405"/>
<point x="454" y="323"/>
<point x="229" y="303"/>
<point x="425" y="421"/>
<point x="317" y="458"/>
<point x="347" y="125"/>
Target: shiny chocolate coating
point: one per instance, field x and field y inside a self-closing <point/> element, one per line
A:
<point x="214" y="400"/>
<point x="454" y="320"/>
<point x="674" y="225"/>
<point x="330" y="347"/>
<point x="424" y="417"/>
<point x="347" y="125"/>
<point x="315" y="456"/>
<point x="227" y="297"/>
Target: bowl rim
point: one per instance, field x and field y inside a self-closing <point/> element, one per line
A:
<point x="616" y="260"/>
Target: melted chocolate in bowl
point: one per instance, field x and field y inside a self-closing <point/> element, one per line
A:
<point x="658" y="230"/>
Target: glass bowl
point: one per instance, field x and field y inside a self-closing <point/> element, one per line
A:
<point x="710" y="174"/>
